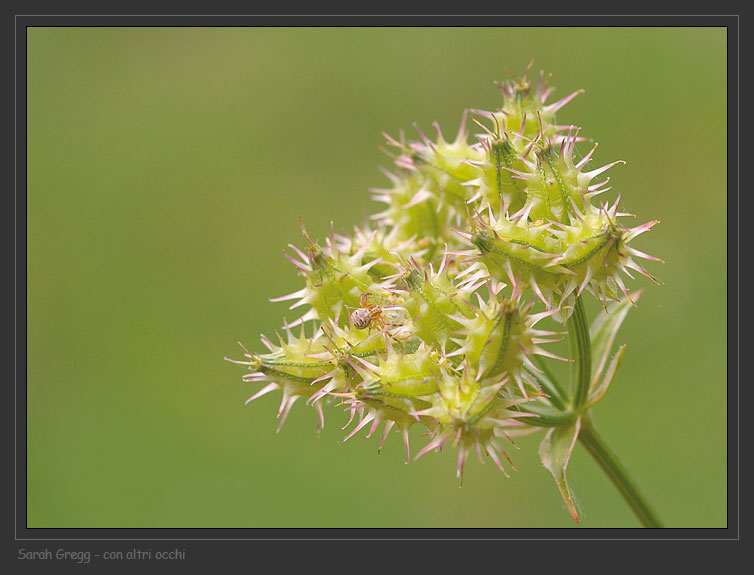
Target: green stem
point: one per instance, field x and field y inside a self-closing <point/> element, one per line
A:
<point x="558" y="396"/>
<point x="609" y="463"/>
<point x="581" y="351"/>
<point x="548" y="417"/>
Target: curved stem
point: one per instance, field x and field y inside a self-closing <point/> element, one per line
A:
<point x="581" y="351"/>
<point x="612" y="467"/>
<point x="581" y="346"/>
<point x="558" y="396"/>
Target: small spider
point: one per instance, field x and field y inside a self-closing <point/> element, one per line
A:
<point x="368" y="315"/>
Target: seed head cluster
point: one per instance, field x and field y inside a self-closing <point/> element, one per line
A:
<point x="428" y="314"/>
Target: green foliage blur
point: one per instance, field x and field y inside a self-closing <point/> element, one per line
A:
<point x="167" y="170"/>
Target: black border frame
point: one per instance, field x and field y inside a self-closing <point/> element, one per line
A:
<point x="201" y="541"/>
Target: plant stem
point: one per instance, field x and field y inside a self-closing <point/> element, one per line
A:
<point x="581" y="346"/>
<point x="558" y="396"/>
<point x="581" y="351"/>
<point x="610" y="464"/>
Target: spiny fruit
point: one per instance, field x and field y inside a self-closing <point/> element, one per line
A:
<point x="513" y="211"/>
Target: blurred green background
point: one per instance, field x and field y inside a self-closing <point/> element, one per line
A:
<point x="167" y="169"/>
